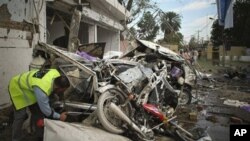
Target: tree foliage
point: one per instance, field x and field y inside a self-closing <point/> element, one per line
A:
<point x="173" y="38"/>
<point x="239" y="34"/>
<point x="147" y="27"/>
<point x="170" y="25"/>
<point x="170" y="22"/>
<point x="216" y="33"/>
<point x="193" y="42"/>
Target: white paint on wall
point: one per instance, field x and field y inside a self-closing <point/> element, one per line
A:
<point x="244" y="58"/>
<point x="101" y="19"/>
<point x="111" y="38"/>
<point x="13" y="61"/>
<point x="92" y="34"/>
<point x="16" y="46"/>
<point x="19" y="10"/>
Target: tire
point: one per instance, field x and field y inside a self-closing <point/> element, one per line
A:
<point x="109" y="120"/>
<point x="185" y="97"/>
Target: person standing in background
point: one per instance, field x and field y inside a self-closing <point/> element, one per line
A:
<point x="195" y="56"/>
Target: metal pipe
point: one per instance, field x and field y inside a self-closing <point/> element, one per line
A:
<point x="164" y="122"/>
<point x="77" y="113"/>
<point x="85" y="106"/>
<point x="124" y="117"/>
<point x="182" y="129"/>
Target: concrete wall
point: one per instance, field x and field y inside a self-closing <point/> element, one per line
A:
<point x="234" y="51"/>
<point x="110" y="8"/>
<point x="209" y="52"/>
<point x="111" y="38"/>
<point x="233" y="54"/>
<point x="19" y="33"/>
<point x="106" y="15"/>
<point x="174" y="48"/>
<point x="13" y="61"/>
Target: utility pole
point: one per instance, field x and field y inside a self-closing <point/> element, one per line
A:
<point x="198" y="38"/>
<point x="223" y="48"/>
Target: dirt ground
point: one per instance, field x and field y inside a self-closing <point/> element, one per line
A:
<point x="207" y="108"/>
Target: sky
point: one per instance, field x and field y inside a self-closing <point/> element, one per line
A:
<point x="196" y="16"/>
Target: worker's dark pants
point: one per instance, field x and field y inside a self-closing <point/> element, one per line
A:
<point x="20" y="116"/>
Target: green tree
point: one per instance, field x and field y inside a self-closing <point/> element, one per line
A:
<point x="147" y="27"/>
<point x="192" y="42"/>
<point x="173" y="38"/>
<point x="133" y="33"/>
<point x="170" y="23"/>
<point x="241" y="31"/>
<point x="216" y="33"/>
<point x="239" y="34"/>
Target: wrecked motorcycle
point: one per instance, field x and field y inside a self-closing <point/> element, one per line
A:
<point x="139" y="100"/>
<point x="186" y="78"/>
<point x="177" y="74"/>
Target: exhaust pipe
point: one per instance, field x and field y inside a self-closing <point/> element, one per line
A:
<point x="124" y="117"/>
<point x="84" y="106"/>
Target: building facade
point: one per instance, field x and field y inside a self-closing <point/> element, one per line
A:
<point x="25" y="23"/>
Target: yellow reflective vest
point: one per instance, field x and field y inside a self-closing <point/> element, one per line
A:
<point x="21" y="86"/>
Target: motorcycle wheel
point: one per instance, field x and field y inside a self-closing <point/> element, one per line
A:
<point x="107" y="118"/>
<point x="185" y="97"/>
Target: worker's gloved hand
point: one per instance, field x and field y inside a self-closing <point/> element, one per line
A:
<point x="63" y="116"/>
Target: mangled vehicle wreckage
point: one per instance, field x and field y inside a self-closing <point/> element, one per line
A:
<point x="181" y="75"/>
<point x="136" y="94"/>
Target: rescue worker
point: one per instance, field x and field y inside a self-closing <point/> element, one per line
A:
<point x="31" y="91"/>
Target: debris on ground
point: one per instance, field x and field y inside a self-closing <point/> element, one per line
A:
<point x="246" y="108"/>
<point x="236" y="120"/>
<point x="235" y="103"/>
<point x="193" y="116"/>
<point x="211" y="118"/>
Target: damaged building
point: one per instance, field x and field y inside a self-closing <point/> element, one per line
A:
<point x="64" y="23"/>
